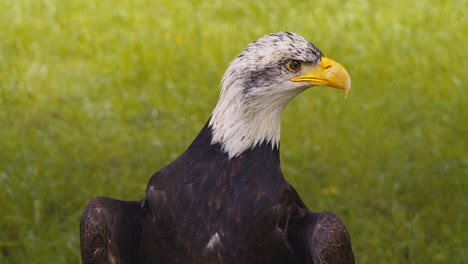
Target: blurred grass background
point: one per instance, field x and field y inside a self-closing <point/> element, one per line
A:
<point x="97" y="95"/>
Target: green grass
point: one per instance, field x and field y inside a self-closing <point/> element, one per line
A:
<point x="97" y="95"/>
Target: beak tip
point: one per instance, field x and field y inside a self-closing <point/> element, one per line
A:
<point x="347" y="90"/>
<point x="347" y="87"/>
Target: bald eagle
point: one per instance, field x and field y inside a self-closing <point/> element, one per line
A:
<point x="225" y="200"/>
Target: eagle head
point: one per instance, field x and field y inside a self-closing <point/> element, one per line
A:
<point x="259" y="83"/>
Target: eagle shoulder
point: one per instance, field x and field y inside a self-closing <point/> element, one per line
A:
<point x="330" y="241"/>
<point x="110" y="231"/>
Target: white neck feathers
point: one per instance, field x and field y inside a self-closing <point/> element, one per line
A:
<point x="241" y="121"/>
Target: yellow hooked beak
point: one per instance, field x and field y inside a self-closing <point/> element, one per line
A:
<point x="327" y="73"/>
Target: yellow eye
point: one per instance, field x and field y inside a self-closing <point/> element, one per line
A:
<point x="293" y="65"/>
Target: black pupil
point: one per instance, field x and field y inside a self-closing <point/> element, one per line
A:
<point x="294" y="65"/>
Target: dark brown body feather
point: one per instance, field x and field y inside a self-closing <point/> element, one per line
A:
<point x="206" y="208"/>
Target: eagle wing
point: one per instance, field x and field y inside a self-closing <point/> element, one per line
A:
<point x="110" y="231"/>
<point x="327" y="240"/>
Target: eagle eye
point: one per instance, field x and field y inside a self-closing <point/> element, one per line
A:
<point x="293" y="65"/>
